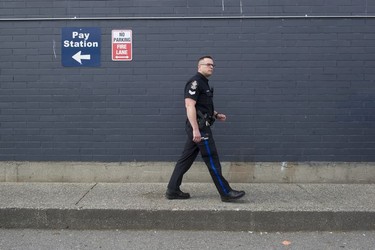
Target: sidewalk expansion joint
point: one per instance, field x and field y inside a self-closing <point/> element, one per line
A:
<point x="88" y="191"/>
<point x="310" y="193"/>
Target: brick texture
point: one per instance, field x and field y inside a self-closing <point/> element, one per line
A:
<point x="293" y="89"/>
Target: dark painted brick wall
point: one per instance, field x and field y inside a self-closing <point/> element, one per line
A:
<point x="294" y="89"/>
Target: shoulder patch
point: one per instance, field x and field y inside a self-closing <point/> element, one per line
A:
<point x="194" y="85"/>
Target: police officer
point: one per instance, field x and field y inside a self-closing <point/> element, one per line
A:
<point x="200" y="116"/>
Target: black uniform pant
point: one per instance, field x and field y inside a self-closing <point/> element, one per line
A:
<point x="207" y="148"/>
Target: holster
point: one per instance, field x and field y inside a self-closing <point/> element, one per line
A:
<point x="204" y="120"/>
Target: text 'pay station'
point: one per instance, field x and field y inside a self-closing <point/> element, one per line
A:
<point x="80" y="47"/>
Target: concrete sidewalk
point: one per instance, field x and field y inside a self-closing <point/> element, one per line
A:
<point x="266" y="207"/>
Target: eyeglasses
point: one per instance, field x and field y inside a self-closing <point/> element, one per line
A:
<point x="208" y="65"/>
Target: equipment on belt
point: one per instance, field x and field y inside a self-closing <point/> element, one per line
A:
<point x="204" y="120"/>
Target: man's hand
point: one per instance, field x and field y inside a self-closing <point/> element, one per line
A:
<point x="197" y="137"/>
<point x="221" y="117"/>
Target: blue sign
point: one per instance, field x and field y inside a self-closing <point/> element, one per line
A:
<point x="80" y="47"/>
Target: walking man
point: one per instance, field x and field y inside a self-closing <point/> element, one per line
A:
<point x="200" y="116"/>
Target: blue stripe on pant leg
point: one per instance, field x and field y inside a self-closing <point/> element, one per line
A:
<point x="213" y="167"/>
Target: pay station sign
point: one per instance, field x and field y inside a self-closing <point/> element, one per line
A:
<point x="122" y="45"/>
<point x="80" y="47"/>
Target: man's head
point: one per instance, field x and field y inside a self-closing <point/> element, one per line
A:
<point x="206" y="66"/>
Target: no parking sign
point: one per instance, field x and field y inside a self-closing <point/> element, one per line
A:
<point x="122" y="45"/>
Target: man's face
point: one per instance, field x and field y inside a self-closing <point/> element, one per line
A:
<point x="206" y="67"/>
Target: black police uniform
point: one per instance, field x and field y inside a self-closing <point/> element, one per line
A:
<point x="197" y="88"/>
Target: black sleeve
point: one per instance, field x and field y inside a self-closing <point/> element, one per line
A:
<point x="192" y="90"/>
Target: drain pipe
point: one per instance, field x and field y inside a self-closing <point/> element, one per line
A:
<point x="14" y="19"/>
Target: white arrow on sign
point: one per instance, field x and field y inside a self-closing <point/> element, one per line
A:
<point x="122" y="57"/>
<point x="78" y="57"/>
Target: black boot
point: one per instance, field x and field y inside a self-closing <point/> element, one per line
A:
<point x="172" y="195"/>
<point x="232" y="195"/>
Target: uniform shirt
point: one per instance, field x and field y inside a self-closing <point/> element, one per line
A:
<point x="197" y="88"/>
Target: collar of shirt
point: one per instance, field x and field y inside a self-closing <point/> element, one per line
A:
<point x="203" y="77"/>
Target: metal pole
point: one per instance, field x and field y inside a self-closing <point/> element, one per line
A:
<point x="14" y="19"/>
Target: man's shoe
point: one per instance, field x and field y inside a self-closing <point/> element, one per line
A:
<point x="232" y="195"/>
<point x="173" y="195"/>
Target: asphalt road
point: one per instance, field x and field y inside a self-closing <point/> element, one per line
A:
<point x="116" y="239"/>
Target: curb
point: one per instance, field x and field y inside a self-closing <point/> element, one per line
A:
<point x="105" y="219"/>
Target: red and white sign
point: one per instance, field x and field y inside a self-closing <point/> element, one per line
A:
<point x="122" y="43"/>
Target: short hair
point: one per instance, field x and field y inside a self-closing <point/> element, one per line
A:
<point x="204" y="57"/>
